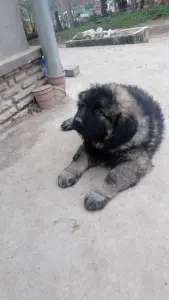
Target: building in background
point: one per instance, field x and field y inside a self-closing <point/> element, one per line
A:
<point x="74" y="8"/>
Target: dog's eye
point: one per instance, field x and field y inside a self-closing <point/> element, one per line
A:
<point x="98" y="112"/>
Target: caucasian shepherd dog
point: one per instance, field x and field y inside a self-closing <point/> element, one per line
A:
<point x="122" y="127"/>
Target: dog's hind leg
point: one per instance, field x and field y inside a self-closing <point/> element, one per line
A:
<point x="67" y="124"/>
<point x="122" y="177"/>
<point x="80" y="163"/>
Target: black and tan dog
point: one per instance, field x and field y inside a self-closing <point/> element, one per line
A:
<point x="121" y="126"/>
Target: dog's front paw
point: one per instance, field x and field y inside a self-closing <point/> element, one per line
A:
<point x="67" y="178"/>
<point x="95" y="201"/>
<point x="67" y="125"/>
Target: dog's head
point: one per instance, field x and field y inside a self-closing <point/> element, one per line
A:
<point x="95" y="117"/>
<point x="102" y="115"/>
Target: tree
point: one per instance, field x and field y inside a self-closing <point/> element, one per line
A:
<point x="122" y="5"/>
<point x="26" y="8"/>
<point x="133" y="5"/>
<point x="104" y="7"/>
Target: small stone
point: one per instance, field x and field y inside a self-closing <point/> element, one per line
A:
<point x="78" y="36"/>
<point x="99" y="32"/>
<point x="109" y="32"/>
<point x="89" y="34"/>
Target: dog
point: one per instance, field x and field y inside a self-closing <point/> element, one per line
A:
<point x="121" y="127"/>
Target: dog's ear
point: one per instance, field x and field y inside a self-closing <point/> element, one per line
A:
<point x="124" y="129"/>
<point x="83" y="95"/>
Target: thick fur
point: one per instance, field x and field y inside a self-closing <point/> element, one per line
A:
<point x="121" y="126"/>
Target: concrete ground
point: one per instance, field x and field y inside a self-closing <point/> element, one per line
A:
<point x="50" y="247"/>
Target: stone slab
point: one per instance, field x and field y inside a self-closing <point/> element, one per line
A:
<point x="139" y="35"/>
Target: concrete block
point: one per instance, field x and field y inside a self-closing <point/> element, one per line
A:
<point x="11" y="91"/>
<point x="134" y="36"/>
<point x="5" y="125"/>
<point x="3" y="86"/>
<point x="34" y="69"/>
<point x="12" y="73"/>
<point x="25" y="101"/>
<point x="4" y="104"/>
<point x="20" y="114"/>
<point x="41" y="82"/>
<point x="20" y="76"/>
<point x="23" y="93"/>
<point x="27" y="82"/>
<point x="7" y="114"/>
<point x="11" y="82"/>
<point x="71" y="71"/>
<point x="40" y="75"/>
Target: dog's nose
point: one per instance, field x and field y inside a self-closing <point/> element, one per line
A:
<point x="78" y="121"/>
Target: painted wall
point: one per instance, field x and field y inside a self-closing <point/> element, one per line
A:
<point x="12" y="35"/>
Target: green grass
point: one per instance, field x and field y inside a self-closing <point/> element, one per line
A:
<point x="118" y="20"/>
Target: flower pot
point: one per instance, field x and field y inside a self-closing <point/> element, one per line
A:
<point x="44" y="96"/>
<point x="59" y="93"/>
<point x="58" y="80"/>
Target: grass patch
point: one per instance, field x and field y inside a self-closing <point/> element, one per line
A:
<point x="118" y="20"/>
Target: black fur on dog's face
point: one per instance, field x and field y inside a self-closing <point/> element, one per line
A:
<point x="94" y="119"/>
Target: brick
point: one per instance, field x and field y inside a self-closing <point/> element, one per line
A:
<point x="5" y="125"/>
<point x="27" y="82"/>
<point x="3" y="86"/>
<point x="4" y="104"/>
<point x="26" y="66"/>
<point x="34" y="69"/>
<point x="23" y="93"/>
<point x="11" y="91"/>
<point x="20" y="114"/>
<point x="20" y="76"/>
<point x="12" y="73"/>
<point x="11" y="82"/>
<point x="7" y="114"/>
<point x="41" y="82"/>
<point x="40" y="75"/>
<point x="25" y="101"/>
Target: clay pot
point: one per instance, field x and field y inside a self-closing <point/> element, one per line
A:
<point x="44" y="96"/>
<point x="57" y="80"/>
<point x="59" y="93"/>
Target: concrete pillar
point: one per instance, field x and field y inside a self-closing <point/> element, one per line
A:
<point x="12" y="35"/>
<point x="47" y="37"/>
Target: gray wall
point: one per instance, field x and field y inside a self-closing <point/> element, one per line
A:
<point x="12" y="35"/>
